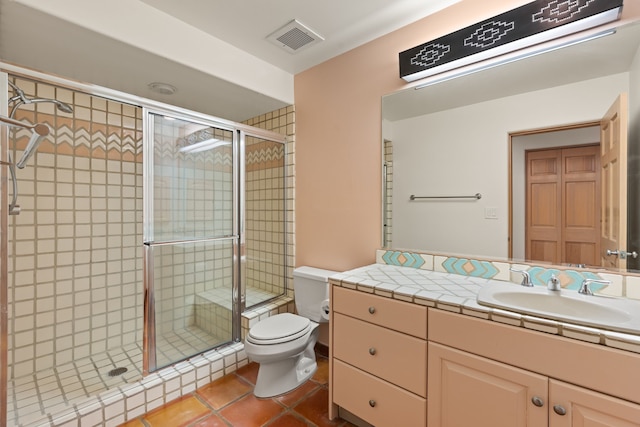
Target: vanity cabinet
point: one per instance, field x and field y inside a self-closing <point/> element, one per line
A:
<point x="467" y="388"/>
<point x="471" y="371"/>
<point x="503" y="396"/>
<point x="378" y="358"/>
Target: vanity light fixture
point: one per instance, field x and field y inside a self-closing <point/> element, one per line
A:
<point x="509" y="60"/>
<point x="207" y="144"/>
<point x="528" y="25"/>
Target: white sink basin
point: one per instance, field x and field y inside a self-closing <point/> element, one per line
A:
<point x="616" y="314"/>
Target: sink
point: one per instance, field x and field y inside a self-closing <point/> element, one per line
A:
<point x="610" y="313"/>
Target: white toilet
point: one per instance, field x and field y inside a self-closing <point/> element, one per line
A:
<point x="284" y="344"/>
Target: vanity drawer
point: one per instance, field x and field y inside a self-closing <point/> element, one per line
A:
<point x="390" y="355"/>
<point x="374" y="400"/>
<point x="397" y="315"/>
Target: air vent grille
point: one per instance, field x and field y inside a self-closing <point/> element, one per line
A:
<point x="294" y="37"/>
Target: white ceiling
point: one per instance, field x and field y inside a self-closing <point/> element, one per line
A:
<point x="127" y="44"/>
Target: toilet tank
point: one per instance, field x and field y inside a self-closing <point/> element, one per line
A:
<point x="311" y="287"/>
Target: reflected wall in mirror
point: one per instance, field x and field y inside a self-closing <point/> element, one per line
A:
<point x="458" y="137"/>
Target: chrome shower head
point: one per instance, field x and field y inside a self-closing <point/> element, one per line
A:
<point x="65" y="108"/>
<point x="21" y="98"/>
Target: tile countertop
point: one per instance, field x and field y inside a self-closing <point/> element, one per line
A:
<point x="457" y="294"/>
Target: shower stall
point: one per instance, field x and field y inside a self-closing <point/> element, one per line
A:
<point x="143" y="233"/>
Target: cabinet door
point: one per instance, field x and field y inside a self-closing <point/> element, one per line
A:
<point x="466" y="390"/>
<point x="572" y="406"/>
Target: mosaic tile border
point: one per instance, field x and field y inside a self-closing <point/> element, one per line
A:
<point x="499" y="270"/>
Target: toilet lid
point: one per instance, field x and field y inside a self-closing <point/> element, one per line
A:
<point x="279" y="328"/>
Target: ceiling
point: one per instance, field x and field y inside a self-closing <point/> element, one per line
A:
<point x="73" y="39"/>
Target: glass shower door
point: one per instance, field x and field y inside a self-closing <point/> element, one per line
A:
<point x="265" y="196"/>
<point x="190" y="237"/>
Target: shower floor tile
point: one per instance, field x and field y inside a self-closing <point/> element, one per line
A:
<point x="45" y="392"/>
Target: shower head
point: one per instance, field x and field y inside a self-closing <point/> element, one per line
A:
<point x="65" y="108"/>
<point x="21" y="98"/>
<point x="40" y="131"/>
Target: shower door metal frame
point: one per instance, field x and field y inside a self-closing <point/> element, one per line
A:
<point x="250" y="132"/>
<point x="4" y="260"/>
<point x="149" y="335"/>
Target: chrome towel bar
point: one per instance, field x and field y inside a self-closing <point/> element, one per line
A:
<point x="476" y="196"/>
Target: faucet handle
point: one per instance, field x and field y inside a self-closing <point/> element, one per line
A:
<point x="526" y="277"/>
<point x="553" y="284"/>
<point x="585" y="289"/>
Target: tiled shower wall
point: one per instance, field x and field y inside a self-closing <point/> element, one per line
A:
<point x="263" y="184"/>
<point x="265" y="216"/>
<point x="192" y="200"/>
<point x="75" y="281"/>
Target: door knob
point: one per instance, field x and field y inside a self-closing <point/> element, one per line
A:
<point x="372" y="403"/>
<point x="372" y="310"/>
<point x="622" y="254"/>
<point x="372" y="351"/>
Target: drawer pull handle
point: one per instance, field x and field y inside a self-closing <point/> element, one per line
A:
<point x="559" y="409"/>
<point x="372" y="351"/>
<point x="372" y="310"/>
<point x="537" y="401"/>
<point x="372" y="403"/>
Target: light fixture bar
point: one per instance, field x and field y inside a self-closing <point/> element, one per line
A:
<point x="509" y="60"/>
<point x="529" y="25"/>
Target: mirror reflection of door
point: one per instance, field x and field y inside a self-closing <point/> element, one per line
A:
<point x="562" y="205"/>
<point x="613" y="142"/>
<point x="576" y="208"/>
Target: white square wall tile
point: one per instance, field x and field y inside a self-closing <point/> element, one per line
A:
<point x="633" y="287"/>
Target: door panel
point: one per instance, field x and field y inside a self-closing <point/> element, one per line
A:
<point x="613" y="137"/>
<point x="586" y="408"/>
<point x="563" y="219"/>
<point x="492" y="393"/>
<point x="543" y="232"/>
<point x="580" y="201"/>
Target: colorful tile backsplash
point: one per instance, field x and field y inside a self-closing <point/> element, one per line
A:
<point x="623" y="285"/>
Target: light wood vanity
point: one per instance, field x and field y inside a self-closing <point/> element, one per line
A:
<point x="397" y="363"/>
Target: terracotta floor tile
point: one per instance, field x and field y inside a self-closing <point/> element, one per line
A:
<point x="251" y="411"/>
<point x="179" y="413"/>
<point x="224" y="390"/>
<point x="322" y="374"/>
<point x="249" y="372"/>
<point x="288" y="420"/>
<point x="293" y="397"/>
<point x="211" y="421"/>
<point x="133" y="423"/>
<point x="315" y="408"/>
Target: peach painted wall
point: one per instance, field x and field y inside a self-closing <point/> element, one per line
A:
<point x="338" y="137"/>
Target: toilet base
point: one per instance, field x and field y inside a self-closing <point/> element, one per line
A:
<point x="282" y="376"/>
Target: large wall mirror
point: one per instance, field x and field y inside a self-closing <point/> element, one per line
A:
<point x="484" y="134"/>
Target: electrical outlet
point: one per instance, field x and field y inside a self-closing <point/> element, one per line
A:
<point x="491" y="213"/>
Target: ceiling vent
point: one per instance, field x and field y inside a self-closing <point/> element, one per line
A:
<point x="294" y="37"/>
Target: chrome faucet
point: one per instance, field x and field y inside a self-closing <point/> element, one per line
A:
<point x="553" y="284"/>
<point x="585" y="289"/>
<point x="526" y="277"/>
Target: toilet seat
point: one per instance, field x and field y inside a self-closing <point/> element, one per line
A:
<point x="279" y="329"/>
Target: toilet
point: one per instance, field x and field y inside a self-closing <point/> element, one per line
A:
<point x="284" y="344"/>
